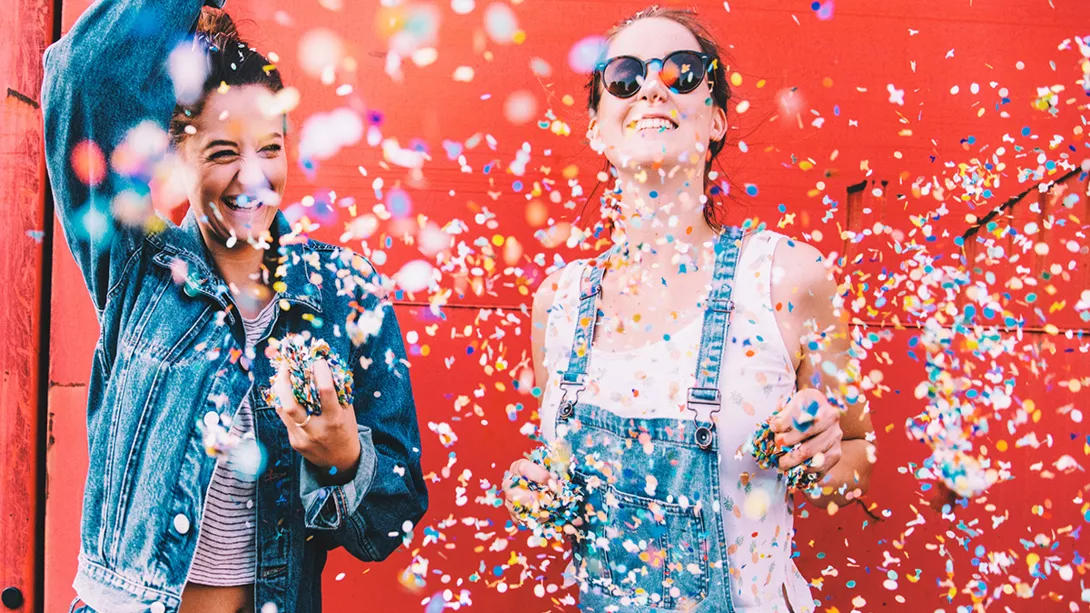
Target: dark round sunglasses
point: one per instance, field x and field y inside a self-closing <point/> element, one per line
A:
<point x="681" y="71"/>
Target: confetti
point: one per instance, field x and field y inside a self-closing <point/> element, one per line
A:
<point x="500" y="23"/>
<point x="586" y="54"/>
<point x="88" y="162"/>
<point x="520" y="107"/>
<point x="762" y="446"/>
<point x="320" y="50"/>
<point x="298" y="353"/>
<point x="554" y="507"/>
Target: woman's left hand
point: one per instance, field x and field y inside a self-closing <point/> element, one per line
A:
<point x="330" y="440"/>
<point x="812" y="425"/>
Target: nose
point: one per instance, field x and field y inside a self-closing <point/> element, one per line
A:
<point x="250" y="174"/>
<point x="653" y="88"/>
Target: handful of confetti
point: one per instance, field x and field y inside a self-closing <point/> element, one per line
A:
<point x="299" y="352"/>
<point x="762" y="446"/>
<point x="554" y="506"/>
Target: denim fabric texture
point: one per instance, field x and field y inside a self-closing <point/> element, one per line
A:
<point x="653" y="537"/>
<point x="172" y="350"/>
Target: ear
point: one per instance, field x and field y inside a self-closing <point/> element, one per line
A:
<point x="719" y="124"/>
<point x="592" y="129"/>
<point x="593" y="136"/>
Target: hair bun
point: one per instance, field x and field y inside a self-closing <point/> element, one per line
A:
<point x="216" y="26"/>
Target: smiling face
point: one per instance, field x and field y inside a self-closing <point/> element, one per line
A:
<point x="656" y="126"/>
<point x="238" y="165"/>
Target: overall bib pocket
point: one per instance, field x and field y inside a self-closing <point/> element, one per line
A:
<point x="650" y="551"/>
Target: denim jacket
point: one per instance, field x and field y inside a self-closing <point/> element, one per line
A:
<point x="172" y="350"/>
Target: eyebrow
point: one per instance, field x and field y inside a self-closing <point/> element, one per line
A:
<point x="228" y="143"/>
<point x="220" y="143"/>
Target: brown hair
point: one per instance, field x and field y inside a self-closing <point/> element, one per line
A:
<point x="717" y="78"/>
<point x="231" y="61"/>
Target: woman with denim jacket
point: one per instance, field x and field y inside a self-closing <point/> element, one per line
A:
<point x="659" y="360"/>
<point x="210" y="488"/>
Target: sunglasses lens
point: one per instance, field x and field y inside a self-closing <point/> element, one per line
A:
<point x="622" y="77"/>
<point x="682" y="72"/>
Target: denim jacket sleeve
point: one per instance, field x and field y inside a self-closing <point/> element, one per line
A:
<point x="367" y="515"/>
<point x="107" y="75"/>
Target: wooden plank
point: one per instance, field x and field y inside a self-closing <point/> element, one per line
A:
<point x="28" y="24"/>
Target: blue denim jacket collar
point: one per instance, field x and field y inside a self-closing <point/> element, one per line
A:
<point x="188" y="246"/>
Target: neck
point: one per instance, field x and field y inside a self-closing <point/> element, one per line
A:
<point x="661" y="224"/>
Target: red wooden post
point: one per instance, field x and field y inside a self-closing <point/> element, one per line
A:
<point x="28" y="26"/>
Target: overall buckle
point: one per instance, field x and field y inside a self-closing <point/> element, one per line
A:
<point x="567" y="407"/>
<point x="705" y="431"/>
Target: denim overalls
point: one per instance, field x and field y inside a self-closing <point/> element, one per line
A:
<point x="653" y="534"/>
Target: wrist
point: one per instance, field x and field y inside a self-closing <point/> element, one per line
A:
<point x="340" y="470"/>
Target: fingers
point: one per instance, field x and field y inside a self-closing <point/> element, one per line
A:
<point x="808" y="414"/>
<point x="520" y="497"/>
<point x="289" y="411"/>
<point x="798" y="413"/>
<point x="327" y="389"/>
<point x="531" y="471"/>
<point x="517" y="493"/>
<point x="824" y="448"/>
<point x="781" y="420"/>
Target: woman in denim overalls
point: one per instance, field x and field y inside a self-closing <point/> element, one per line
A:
<point x="659" y="358"/>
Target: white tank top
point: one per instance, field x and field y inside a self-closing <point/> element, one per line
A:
<point x="757" y="377"/>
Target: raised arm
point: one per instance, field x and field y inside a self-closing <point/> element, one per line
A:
<point x="107" y="75"/>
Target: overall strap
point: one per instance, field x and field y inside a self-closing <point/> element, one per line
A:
<point x="704" y="398"/>
<point x="574" y="378"/>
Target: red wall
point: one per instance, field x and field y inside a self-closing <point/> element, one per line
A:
<point x="466" y="361"/>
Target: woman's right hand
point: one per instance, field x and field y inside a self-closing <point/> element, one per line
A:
<point x="515" y="493"/>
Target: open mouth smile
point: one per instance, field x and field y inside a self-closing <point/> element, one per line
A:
<point x="657" y="124"/>
<point x="242" y="202"/>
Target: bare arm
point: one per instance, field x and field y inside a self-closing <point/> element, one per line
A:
<point x="539" y="317"/>
<point x="818" y="325"/>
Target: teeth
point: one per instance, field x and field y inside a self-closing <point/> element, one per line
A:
<point x="242" y="202"/>
<point x="654" y="123"/>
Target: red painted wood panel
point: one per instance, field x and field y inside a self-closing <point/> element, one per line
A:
<point x="28" y="28"/>
<point x="464" y="364"/>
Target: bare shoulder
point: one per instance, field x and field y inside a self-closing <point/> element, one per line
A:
<point x="803" y="293"/>
<point x="801" y="275"/>
<point x="539" y="320"/>
<point x="546" y="293"/>
<point x="544" y="298"/>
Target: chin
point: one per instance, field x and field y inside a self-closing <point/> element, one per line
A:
<point x="650" y="159"/>
<point x="650" y="152"/>
<point x="245" y="225"/>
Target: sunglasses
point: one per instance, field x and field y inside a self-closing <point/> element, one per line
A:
<point x="681" y="71"/>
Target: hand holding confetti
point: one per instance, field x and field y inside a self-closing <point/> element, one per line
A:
<point x="297" y="354"/>
<point x="540" y="493"/>
<point x="312" y="395"/>
<point x="802" y="441"/>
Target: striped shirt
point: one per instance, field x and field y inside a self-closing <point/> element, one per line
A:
<point x="227" y="541"/>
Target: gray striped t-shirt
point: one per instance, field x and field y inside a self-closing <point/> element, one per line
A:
<point x="226" y="542"/>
